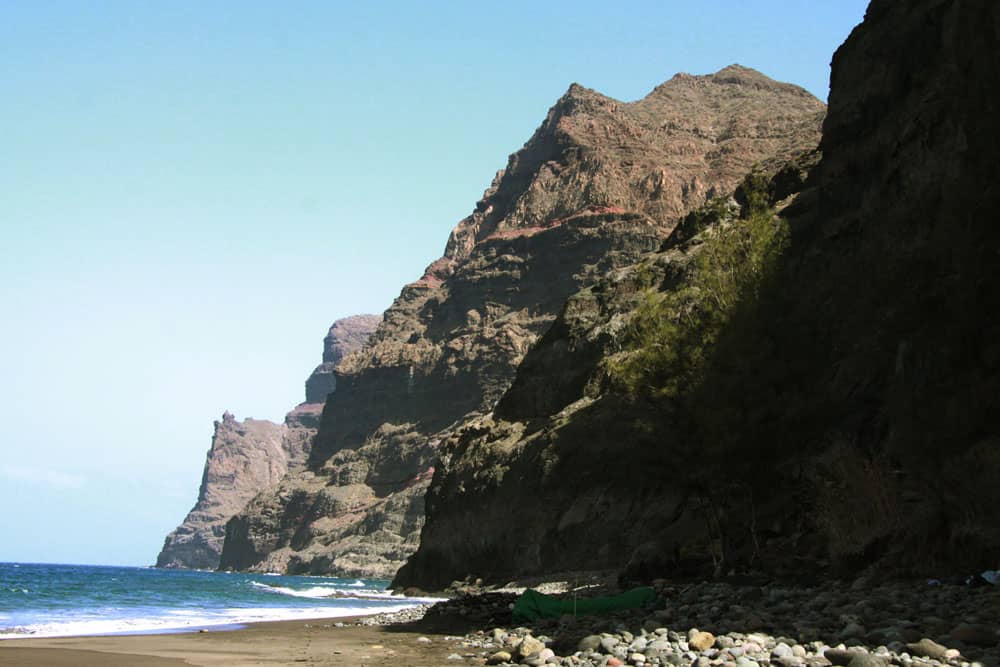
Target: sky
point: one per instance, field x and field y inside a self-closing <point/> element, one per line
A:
<point x="192" y="192"/>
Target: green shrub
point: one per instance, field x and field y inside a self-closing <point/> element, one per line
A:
<point x="673" y="333"/>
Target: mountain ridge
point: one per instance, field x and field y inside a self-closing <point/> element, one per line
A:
<point x="800" y="383"/>
<point x="247" y="457"/>
<point x="592" y="190"/>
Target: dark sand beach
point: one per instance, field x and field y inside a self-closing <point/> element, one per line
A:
<point x="279" y="643"/>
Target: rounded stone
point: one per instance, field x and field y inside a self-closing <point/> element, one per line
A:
<point x="609" y="643"/>
<point x="498" y="658"/>
<point x="700" y="641"/>
<point x="638" y="644"/>
<point x="528" y="646"/>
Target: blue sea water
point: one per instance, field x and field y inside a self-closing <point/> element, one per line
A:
<point x="43" y="600"/>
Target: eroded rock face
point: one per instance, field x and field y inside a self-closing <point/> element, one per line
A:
<point x="908" y="281"/>
<point x="616" y="486"/>
<point x="245" y="457"/>
<point x="842" y="416"/>
<point x="343" y="519"/>
<point x="253" y="455"/>
<point x="346" y="335"/>
<point x="599" y="184"/>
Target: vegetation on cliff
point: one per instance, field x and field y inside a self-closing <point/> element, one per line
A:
<point x="673" y="330"/>
<point x="817" y="389"/>
<point x="600" y="184"/>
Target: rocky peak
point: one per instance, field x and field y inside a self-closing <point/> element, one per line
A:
<point x="595" y="151"/>
<point x="345" y="336"/>
<point x="732" y="75"/>
<point x="597" y="185"/>
<point x="850" y="390"/>
<point x="578" y="100"/>
<point x="738" y="75"/>
<point x="245" y="457"/>
<point x="250" y="456"/>
<point x="348" y="334"/>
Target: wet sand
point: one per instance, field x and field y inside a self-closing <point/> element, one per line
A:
<point x="298" y="642"/>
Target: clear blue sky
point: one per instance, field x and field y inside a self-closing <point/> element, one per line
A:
<point x="191" y="192"/>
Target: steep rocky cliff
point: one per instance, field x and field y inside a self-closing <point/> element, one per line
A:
<point x="245" y="457"/>
<point x="346" y="335"/>
<point x="599" y="184"/>
<point x="250" y="456"/>
<point x="804" y="375"/>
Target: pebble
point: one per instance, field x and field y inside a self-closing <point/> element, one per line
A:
<point x="839" y="656"/>
<point x="609" y="643"/>
<point x="714" y="624"/>
<point x="866" y="660"/>
<point x="700" y="641"/>
<point x="928" y="648"/>
<point x="528" y="646"/>
<point x="782" y="650"/>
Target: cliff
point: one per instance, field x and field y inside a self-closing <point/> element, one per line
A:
<point x="803" y="377"/>
<point x="598" y="185"/>
<point x="250" y="456"/>
<point x="345" y="335"/>
<point x="245" y="456"/>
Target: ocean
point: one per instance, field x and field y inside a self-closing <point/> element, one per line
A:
<point x="43" y="600"/>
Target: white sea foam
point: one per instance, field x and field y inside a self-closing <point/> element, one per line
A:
<point x="176" y="620"/>
<point x="316" y="592"/>
<point x="313" y="592"/>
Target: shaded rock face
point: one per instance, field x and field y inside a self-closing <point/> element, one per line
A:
<point x="599" y="184"/>
<point x="846" y="413"/>
<point x="616" y="488"/>
<point x="253" y="455"/>
<point x="346" y="335"/>
<point x="901" y="254"/>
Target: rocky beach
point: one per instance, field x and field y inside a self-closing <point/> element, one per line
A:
<point x="724" y="327"/>
<point x="726" y="343"/>
<point x="856" y="624"/>
<point x="859" y="623"/>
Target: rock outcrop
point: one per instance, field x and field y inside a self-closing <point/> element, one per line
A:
<point x="247" y="457"/>
<point x="834" y="406"/>
<point x="346" y="335"/>
<point x="599" y="184"/>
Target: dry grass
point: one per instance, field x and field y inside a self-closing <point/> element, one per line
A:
<point x="858" y="501"/>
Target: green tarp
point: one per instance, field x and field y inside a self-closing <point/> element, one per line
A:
<point x="533" y="605"/>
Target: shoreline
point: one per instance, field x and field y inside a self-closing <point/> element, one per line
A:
<point x="315" y="615"/>
<point x="330" y="641"/>
<point x="865" y="623"/>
